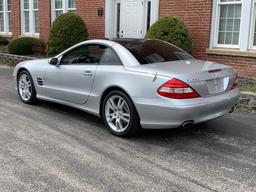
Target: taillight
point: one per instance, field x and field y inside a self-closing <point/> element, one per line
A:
<point x="235" y="85"/>
<point x="214" y="70"/>
<point x="177" y="89"/>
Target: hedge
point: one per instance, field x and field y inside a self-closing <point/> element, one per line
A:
<point x="67" y="30"/>
<point x="27" y="46"/>
<point x="172" y="30"/>
<point x="3" y="41"/>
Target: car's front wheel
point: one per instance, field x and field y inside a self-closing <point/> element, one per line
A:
<point x="120" y="115"/>
<point x="26" y="89"/>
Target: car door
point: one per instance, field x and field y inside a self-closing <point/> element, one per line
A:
<point x="72" y="79"/>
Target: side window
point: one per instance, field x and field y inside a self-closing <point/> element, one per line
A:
<point x="72" y="56"/>
<point x="86" y="54"/>
<point x="110" y="58"/>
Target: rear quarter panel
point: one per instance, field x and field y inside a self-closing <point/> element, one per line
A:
<point x="135" y="84"/>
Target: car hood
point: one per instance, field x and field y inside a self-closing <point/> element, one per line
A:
<point x="41" y="61"/>
<point x="34" y="62"/>
<point x="177" y="68"/>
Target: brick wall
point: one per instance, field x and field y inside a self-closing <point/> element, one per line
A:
<point x="15" y="14"/>
<point x="45" y="18"/>
<point x="245" y="66"/>
<point x="197" y="16"/>
<point x="88" y="10"/>
<point x="44" y="15"/>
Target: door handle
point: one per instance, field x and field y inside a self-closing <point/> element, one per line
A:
<point x="87" y="74"/>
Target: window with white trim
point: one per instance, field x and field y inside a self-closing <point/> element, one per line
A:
<point x="62" y="6"/>
<point x="229" y="22"/>
<point x="36" y="16"/>
<point x="234" y="24"/>
<point x="5" y="17"/>
<point x="30" y="17"/>
<point x="253" y="31"/>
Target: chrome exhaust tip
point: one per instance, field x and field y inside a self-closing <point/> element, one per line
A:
<point x="232" y="110"/>
<point x="187" y="124"/>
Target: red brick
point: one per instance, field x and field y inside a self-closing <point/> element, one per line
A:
<point x="88" y="10"/>
<point x="45" y="18"/>
<point x="16" y="30"/>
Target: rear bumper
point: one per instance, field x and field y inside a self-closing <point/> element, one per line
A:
<point x="162" y="113"/>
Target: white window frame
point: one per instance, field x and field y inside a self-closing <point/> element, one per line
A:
<point x="6" y="21"/>
<point x="34" y="20"/>
<point x="64" y="8"/>
<point x="31" y="19"/>
<point x="245" y="26"/>
<point x="218" y="24"/>
<point x="253" y="25"/>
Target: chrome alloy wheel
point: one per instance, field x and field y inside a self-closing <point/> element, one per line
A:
<point x="25" y="87"/>
<point x="117" y="113"/>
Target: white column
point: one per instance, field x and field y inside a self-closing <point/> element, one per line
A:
<point x="31" y="24"/>
<point x="108" y="11"/>
<point x="5" y="17"/>
<point x="154" y="11"/>
<point x="245" y="25"/>
<point x="213" y="24"/>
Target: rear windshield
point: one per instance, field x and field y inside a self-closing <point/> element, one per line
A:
<point x="154" y="51"/>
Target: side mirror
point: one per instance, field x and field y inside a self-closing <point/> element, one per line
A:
<point x="53" y="61"/>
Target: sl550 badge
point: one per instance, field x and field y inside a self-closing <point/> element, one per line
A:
<point x="194" y="80"/>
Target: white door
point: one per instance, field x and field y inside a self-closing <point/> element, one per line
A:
<point x="132" y="14"/>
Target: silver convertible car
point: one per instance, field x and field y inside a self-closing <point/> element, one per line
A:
<point x="131" y="84"/>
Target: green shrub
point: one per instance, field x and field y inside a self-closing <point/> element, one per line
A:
<point x="67" y="30"/>
<point x="27" y="46"/>
<point x="3" y="41"/>
<point x="172" y="30"/>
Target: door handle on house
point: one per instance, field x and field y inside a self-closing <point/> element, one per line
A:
<point x="87" y="74"/>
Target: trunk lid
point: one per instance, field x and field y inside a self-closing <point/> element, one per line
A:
<point x="200" y="75"/>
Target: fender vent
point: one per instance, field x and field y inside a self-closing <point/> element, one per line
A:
<point x="40" y="81"/>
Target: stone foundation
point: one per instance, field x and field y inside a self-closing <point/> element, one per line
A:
<point x="12" y="60"/>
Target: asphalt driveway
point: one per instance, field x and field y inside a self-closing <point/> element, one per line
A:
<point x="49" y="147"/>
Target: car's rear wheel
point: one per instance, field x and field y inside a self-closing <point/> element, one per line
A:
<point x="120" y="115"/>
<point x="26" y="88"/>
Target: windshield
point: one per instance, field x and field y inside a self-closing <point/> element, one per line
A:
<point x="154" y="51"/>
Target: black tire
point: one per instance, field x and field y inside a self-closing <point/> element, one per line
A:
<point x="32" y="99"/>
<point x="134" y="124"/>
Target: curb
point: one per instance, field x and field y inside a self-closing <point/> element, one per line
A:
<point x="6" y="67"/>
